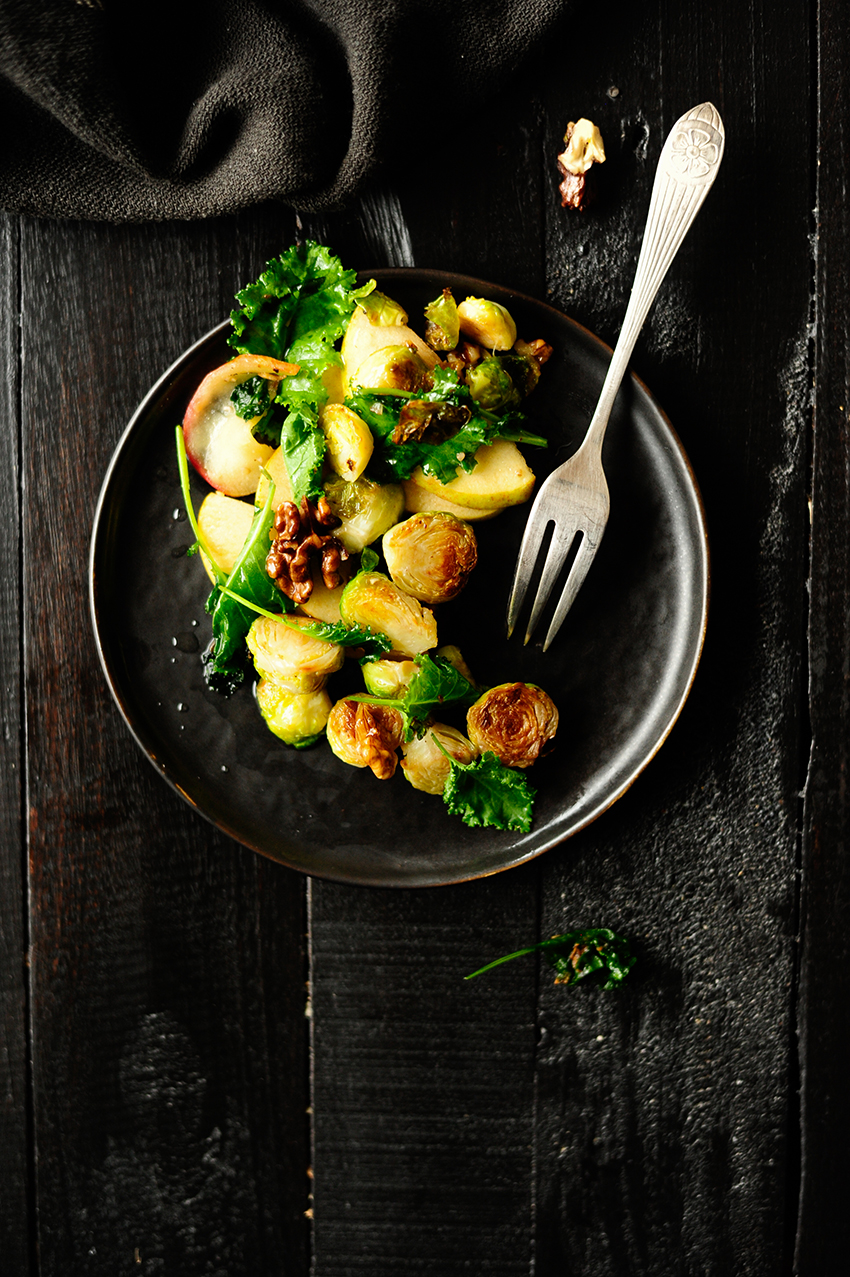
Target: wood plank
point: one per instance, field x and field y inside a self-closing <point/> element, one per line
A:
<point x="168" y="967"/>
<point x="824" y="1231"/>
<point x="666" y="1135"/>
<point x="15" y="1205"/>
<point x="423" y="1086"/>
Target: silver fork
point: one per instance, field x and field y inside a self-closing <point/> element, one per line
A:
<point x="575" y="496"/>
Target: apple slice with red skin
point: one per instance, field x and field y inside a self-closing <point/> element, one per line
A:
<point x="219" y="443"/>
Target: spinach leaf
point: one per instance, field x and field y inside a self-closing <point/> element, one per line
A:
<point x="251" y="399"/>
<point x="487" y="793"/>
<point x="373" y="642"/>
<point x="226" y="660"/>
<point x="577" y="954"/>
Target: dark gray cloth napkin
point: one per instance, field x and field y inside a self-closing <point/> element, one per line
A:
<point x="135" y="110"/>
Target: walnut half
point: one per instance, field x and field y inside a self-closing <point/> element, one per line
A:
<point x="300" y="536"/>
<point x="583" y="147"/>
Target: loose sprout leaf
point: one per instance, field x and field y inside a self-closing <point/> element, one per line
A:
<point x="487" y="793"/>
<point x="577" y="954"/>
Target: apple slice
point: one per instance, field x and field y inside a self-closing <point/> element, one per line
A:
<point x="276" y="468"/>
<point x="417" y="501"/>
<point x="500" y="478"/>
<point x="218" y="442"/>
<point x="362" y="338"/>
<point x="224" y="524"/>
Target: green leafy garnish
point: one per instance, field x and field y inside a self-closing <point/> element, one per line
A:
<point x="297" y="309"/>
<point x="577" y="954"/>
<point x="440" y="457"/>
<point x="183" y="470"/>
<point x="252" y="399"/>
<point x="436" y="685"/>
<point x="487" y="793"/>
<point x="372" y="641"/>
<point x="249" y="588"/>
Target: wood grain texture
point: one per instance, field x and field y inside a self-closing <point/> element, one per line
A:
<point x="824" y="1231"/>
<point x="667" y="1123"/>
<point x="169" y="1054"/>
<point x="15" y="1160"/>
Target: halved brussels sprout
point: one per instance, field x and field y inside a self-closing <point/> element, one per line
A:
<point x="392" y="368"/>
<point x="349" y="441"/>
<point x="366" y="735"/>
<point x="491" y="386"/>
<point x="431" y="555"/>
<point x="442" y="327"/>
<point x="298" y="718"/>
<point x="367" y="509"/>
<point x="287" y="656"/>
<point x="382" y="310"/>
<point x="454" y="656"/>
<point x="514" y="721"/>
<point x="387" y="677"/>
<point x="424" y="763"/>
<point x="486" y="322"/>
<point x="373" y="599"/>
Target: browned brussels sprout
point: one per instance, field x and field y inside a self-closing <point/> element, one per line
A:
<point x="382" y="310"/>
<point x="373" y="599"/>
<point x="431" y="555"/>
<point x="487" y="323"/>
<point x="393" y="368"/>
<point x="442" y="327"/>
<point x="514" y="721"/>
<point x="366" y="735"/>
<point x="424" y="763"/>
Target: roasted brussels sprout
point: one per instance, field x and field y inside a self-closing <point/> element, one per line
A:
<point x="491" y="385"/>
<point x="367" y="509"/>
<point x="366" y="735"/>
<point x="294" y="660"/>
<point x="487" y="323"/>
<point x="424" y="763"/>
<point x="442" y="326"/>
<point x="454" y="656"/>
<point x="298" y="718"/>
<point x="373" y="599"/>
<point x="382" y="310"/>
<point x="514" y="721"/>
<point x="430" y="555"/>
<point x="393" y="368"/>
<point x="387" y="677"/>
<point x="349" y="441"/>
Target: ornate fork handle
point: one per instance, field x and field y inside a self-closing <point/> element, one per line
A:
<point x="687" y="167"/>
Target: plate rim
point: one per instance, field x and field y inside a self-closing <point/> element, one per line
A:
<point x="704" y="562"/>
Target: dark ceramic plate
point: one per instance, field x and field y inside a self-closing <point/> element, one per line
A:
<point x="619" y="671"/>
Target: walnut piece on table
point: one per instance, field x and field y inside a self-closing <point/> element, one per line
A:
<point x="583" y="147"/>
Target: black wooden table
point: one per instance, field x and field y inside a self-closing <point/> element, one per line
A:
<point x="212" y="1065"/>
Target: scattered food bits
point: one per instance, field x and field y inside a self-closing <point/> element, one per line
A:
<point x="583" y="147"/>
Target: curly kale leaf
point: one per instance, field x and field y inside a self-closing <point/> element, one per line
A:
<point x="297" y="309"/>
<point x="578" y="954"/>
<point x="441" y="457"/>
<point x="487" y="793"/>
